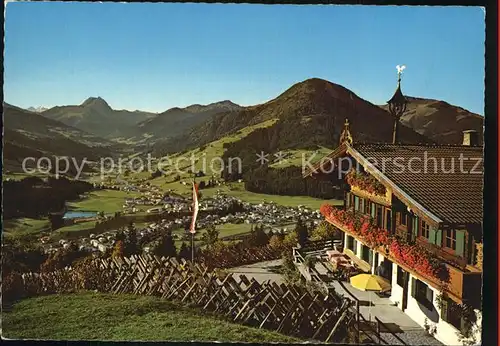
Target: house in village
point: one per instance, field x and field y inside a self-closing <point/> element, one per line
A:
<point x="415" y="210"/>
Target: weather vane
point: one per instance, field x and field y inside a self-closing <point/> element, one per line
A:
<point x="400" y="69"/>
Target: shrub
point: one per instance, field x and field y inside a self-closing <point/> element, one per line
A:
<point x="276" y="243"/>
<point x="118" y="250"/>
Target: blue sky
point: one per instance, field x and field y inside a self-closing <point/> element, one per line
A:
<point x="157" y="56"/>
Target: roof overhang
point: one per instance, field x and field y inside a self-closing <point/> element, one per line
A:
<point x="344" y="148"/>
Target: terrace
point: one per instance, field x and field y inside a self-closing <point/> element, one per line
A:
<point x="377" y="311"/>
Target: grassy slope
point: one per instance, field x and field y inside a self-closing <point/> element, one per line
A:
<point x="96" y="316"/>
<point x="23" y="227"/>
<point x="215" y="149"/>
<point x="107" y="201"/>
<point x="295" y="157"/>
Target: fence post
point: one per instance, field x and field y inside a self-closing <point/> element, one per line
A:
<point x="378" y="331"/>
<point x="357" y="321"/>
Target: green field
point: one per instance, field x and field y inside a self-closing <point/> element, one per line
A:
<point x="108" y="201"/>
<point x="95" y="316"/>
<point x="296" y="157"/>
<point x="25" y="227"/>
<point x="20" y="176"/>
<point x="225" y="230"/>
<point x="238" y="190"/>
<point x="77" y="227"/>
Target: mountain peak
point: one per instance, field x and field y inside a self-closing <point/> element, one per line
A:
<point x="220" y="106"/>
<point x="95" y="102"/>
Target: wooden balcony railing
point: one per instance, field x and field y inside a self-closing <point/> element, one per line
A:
<point x="453" y="260"/>
<point x="464" y="285"/>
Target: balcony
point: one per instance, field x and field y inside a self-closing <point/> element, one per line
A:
<point x="465" y="285"/>
<point x="437" y="251"/>
<point x="462" y="281"/>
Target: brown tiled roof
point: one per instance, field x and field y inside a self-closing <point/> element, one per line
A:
<point x="455" y="197"/>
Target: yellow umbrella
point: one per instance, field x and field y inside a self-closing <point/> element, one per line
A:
<point x="370" y="282"/>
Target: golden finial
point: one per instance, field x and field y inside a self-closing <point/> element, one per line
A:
<point x="345" y="136"/>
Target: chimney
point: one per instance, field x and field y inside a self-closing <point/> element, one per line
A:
<point x="471" y="138"/>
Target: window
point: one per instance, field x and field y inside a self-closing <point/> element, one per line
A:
<point x="379" y="216"/>
<point x="424" y="229"/>
<point x="350" y="243"/>
<point x="422" y="294"/>
<point x="356" y="203"/>
<point x="450" y="241"/>
<point x="450" y="312"/>
<point x="401" y="276"/>
<point x="367" y="207"/>
<point x="361" y="204"/>
<point x="388" y="220"/>
<point x="365" y="254"/>
<point x="403" y="219"/>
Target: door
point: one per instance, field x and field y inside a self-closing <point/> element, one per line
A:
<point x="405" y="290"/>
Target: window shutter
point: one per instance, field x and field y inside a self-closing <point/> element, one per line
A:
<point x="413" y="287"/>
<point x="416" y="222"/>
<point x="459" y="251"/>
<point x="370" y="257"/>
<point x="373" y="210"/>
<point x="430" y="296"/>
<point x="356" y="203"/>
<point x="432" y="235"/>
<point x="444" y="309"/>
<point x="439" y="237"/>
<point x="348" y="200"/>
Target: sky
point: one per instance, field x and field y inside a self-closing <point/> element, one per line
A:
<point x="153" y="56"/>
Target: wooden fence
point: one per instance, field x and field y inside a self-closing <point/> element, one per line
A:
<point x="238" y="256"/>
<point x="289" y="309"/>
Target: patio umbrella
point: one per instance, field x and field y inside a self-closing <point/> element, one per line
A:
<point x="371" y="283"/>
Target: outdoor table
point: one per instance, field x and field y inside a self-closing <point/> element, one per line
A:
<point x="333" y="254"/>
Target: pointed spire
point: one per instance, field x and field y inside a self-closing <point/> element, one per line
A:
<point x="345" y="136"/>
<point x="397" y="105"/>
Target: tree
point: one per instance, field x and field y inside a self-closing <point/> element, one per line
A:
<point x="165" y="246"/>
<point x="120" y="236"/>
<point x="185" y="251"/>
<point x="131" y="244"/>
<point x="210" y="236"/>
<point x="118" y="250"/>
<point x="301" y="231"/>
<point x="276" y="243"/>
<point x="258" y="237"/>
<point x="290" y="240"/>
<point x="324" y="231"/>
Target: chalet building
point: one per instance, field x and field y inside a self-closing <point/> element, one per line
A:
<point x="415" y="211"/>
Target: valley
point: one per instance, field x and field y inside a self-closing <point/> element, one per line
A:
<point x="204" y="138"/>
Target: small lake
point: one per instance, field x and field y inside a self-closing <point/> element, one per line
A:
<point x="79" y="214"/>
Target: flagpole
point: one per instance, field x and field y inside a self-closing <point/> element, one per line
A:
<point x="194" y="225"/>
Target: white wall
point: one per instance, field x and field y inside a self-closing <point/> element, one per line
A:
<point x="396" y="290"/>
<point x="359" y="248"/>
<point x="445" y="332"/>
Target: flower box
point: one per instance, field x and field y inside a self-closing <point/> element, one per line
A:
<point x="365" y="182"/>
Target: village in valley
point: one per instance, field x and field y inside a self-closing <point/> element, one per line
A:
<point x="321" y="217"/>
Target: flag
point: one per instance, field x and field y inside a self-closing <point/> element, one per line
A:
<point x="195" y="208"/>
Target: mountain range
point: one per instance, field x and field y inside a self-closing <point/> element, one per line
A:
<point x="39" y="109"/>
<point x="308" y="115"/>
<point x="28" y="134"/>
<point x="440" y="121"/>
